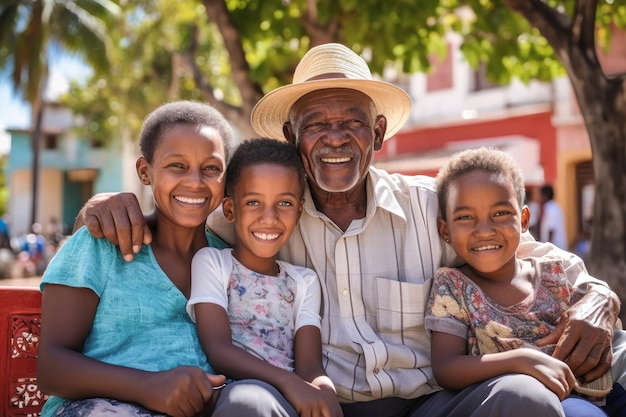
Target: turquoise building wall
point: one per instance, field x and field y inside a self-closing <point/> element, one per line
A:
<point x="71" y="153"/>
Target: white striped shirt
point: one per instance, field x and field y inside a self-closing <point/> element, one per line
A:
<point x="376" y="279"/>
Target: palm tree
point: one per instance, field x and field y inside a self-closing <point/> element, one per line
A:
<point x="30" y="31"/>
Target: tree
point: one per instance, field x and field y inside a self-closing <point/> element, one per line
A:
<point x="602" y="99"/>
<point x="4" y="192"/>
<point x="260" y="42"/>
<point x="30" y="31"/>
<point x="149" y="66"/>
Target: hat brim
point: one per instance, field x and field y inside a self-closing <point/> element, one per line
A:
<point x="272" y="111"/>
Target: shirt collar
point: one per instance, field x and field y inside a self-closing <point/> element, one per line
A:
<point x="380" y="194"/>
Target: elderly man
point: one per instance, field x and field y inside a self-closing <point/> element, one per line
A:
<point x="372" y="238"/>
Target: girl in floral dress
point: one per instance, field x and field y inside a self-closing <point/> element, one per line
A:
<point x="488" y="316"/>
<point x="258" y="317"/>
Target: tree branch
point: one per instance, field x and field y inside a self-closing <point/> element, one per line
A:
<point x="186" y="60"/>
<point x="318" y="33"/>
<point x="584" y="29"/>
<point x="553" y="25"/>
<point x="573" y="40"/>
<point x="250" y="91"/>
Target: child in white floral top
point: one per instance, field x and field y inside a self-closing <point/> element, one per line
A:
<point x="488" y="317"/>
<point x="258" y="317"/>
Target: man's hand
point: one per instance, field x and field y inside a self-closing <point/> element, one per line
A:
<point x="118" y="218"/>
<point x="584" y="335"/>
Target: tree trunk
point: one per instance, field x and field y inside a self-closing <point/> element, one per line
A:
<point x="605" y="116"/>
<point x="251" y="92"/>
<point x="36" y="134"/>
<point x="602" y="103"/>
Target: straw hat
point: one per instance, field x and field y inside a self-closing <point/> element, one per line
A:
<point x="331" y="65"/>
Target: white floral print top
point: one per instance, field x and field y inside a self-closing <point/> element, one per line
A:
<point x="264" y="311"/>
<point x="261" y="313"/>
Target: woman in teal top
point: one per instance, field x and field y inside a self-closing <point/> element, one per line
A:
<point x="115" y="337"/>
<point x="140" y="320"/>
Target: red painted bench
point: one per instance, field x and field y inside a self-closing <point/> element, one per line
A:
<point x="20" y="321"/>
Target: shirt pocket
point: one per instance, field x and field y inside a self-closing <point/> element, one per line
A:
<point x="400" y="316"/>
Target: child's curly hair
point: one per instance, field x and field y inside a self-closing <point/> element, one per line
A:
<point x="263" y="151"/>
<point x="485" y="159"/>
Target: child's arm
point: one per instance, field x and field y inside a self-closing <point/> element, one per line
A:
<point x="454" y="369"/>
<point x="308" y="364"/>
<point x="234" y="362"/>
<point x="62" y="369"/>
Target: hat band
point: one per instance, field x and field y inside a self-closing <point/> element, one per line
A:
<point x="326" y="76"/>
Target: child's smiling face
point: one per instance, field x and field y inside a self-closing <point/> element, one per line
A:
<point x="265" y="206"/>
<point x="484" y="221"/>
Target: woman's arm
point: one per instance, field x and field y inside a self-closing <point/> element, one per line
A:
<point x="62" y="369"/>
<point x="454" y="369"/>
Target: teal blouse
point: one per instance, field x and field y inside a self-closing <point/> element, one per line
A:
<point x="141" y="320"/>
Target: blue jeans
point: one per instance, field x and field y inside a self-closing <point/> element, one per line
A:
<point x="616" y="402"/>
<point x="575" y="406"/>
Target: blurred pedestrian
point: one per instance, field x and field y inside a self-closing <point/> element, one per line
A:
<point x="5" y="238"/>
<point x="552" y="222"/>
<point x="535" y="213"/>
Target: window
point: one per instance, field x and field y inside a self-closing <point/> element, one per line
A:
<point x="481" y="82"/>
<point x="585" y="185"/>
<point x="442" y="76"/>
<point x="51" y="141"/>
<point x="97" y="143"/>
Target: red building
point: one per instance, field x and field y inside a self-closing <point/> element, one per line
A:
<point x="455" y="107"/>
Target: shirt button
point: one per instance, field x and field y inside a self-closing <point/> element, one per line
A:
<point x="376" y="370"/>
<point x="345" y="292"/>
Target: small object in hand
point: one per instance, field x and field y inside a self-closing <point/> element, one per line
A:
<point x="598" y="388"/>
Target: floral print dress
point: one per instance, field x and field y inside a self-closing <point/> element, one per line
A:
<point x="458" y="306"/>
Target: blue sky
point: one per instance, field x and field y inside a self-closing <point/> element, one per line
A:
<point x="15" y="113"/>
